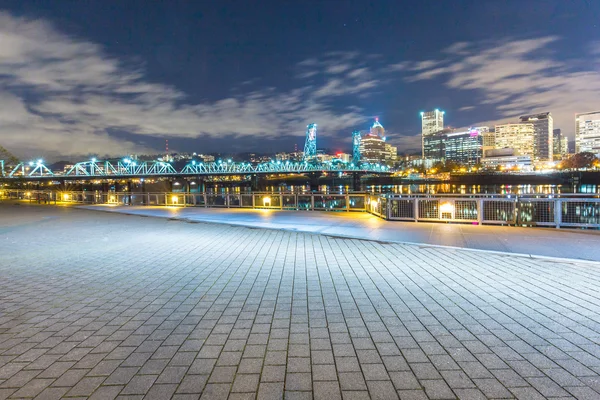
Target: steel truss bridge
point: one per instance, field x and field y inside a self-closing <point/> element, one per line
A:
<point x="128" y="169"/>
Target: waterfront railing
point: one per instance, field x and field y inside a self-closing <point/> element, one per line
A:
<point x="547" y="210"/>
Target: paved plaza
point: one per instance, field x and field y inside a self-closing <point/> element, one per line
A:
<point x="103" y="305"/>
<point x="548" y="242"/>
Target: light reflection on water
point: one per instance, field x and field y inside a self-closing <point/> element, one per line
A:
<point x="426" y="189"/>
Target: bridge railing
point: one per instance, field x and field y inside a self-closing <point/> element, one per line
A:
<point x="581" y="211"/>
<point x="131" y="168"/>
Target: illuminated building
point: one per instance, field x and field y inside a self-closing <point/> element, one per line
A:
<point x="564" y="147"/>
<point x="433" y="145"/>
<point x="488" y="141"/>
<point x="464" y="148"/>
<point x="587" y="132"/>
<point x="522" y="163"/>
<point x="391" y="154"/>
<point x="431" y="123"/>
<point x="517" y="136"/>
<point x="560" y="144"/>
<point x="377" y="129"/>
<point x="343" y="157"/>
<point x="373" y="148"/>
<point x="542" y="134"/>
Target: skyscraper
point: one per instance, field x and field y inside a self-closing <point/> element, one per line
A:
<point x="542" y="132"/>
<point x="377" y="129"/>
<point x="560" y="144"/>
<point x="373" y="147"/>
<point x="464" y="148"/>
<point x="587" y="132"/>
<point x="431" y="122"/>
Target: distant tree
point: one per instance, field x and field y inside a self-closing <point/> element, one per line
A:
<point x="451" y="166"/>
<point x="580" y="160"/>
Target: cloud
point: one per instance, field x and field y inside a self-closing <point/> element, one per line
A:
<point x="516" y="77"/>
<point x="65" y="95"/>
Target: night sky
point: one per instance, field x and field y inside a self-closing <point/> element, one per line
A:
<point x="119" y="77"/>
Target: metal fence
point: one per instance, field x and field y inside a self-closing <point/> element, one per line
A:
<point x="537" y="210"/>
<point x="278" y="201"/>
<point x="540" y="210"/>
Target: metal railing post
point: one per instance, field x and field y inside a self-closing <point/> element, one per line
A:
<point x="480" y="212"/>
<point x="557" y="212"/>
<point x="388" y="208"/>
<point x="416" y="208"/>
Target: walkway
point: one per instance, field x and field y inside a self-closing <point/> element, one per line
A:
<point x="549" y="242"/>
<point x="102" y="306"/>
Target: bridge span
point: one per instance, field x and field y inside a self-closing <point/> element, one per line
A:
<point x="127" y="168"/>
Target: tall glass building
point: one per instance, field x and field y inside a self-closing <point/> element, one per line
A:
<point x="432" y="122"/>
<point x="464" y="148"/>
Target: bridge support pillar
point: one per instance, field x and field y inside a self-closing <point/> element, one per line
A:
<point x="355" y="181"/>
<point x="144" y="197"/>
<point x="129" y="192"/>
<point x="314" y="181"/>
<point x="254" y="183"/>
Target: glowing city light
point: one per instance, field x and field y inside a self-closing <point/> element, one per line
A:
<point x="447" y="207"/>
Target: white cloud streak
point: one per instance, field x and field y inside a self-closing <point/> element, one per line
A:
<point x="517" y="77"/>
<point x="64" y="95"/>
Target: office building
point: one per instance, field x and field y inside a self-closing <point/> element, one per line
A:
<point x="377" y="129"/>
<point x="433" y="145"/>
<point x="560" y="144"/>
<point x="564" y="147"/>
<point x="517" y="136"/>
<point x="543" y="127"/>
<point x="373" y="148"/>
<point x="521" y="163"/>
<point x="431" y="123"/>
<point x="488" y="141"/>
<point x="391" y="154"/>
<point x="464" y="148"/>
<point x="587" y="132"/>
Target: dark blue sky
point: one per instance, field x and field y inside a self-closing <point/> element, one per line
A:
<point x="292" y="62"/>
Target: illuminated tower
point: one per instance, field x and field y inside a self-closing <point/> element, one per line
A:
<point x="431" y="123"/>
<point x="377" y="129"/>
<point x="310" y="146"/>
<point x="356" y="147"/>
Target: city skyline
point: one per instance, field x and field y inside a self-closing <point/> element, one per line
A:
<point x="206" y="79"/>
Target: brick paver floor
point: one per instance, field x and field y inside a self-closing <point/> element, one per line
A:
<point x="110" y="306"/>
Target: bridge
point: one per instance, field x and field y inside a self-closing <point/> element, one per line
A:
<point x="127" y="168"/>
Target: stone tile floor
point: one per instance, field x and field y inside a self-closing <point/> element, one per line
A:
<point x="102" y="306"/>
